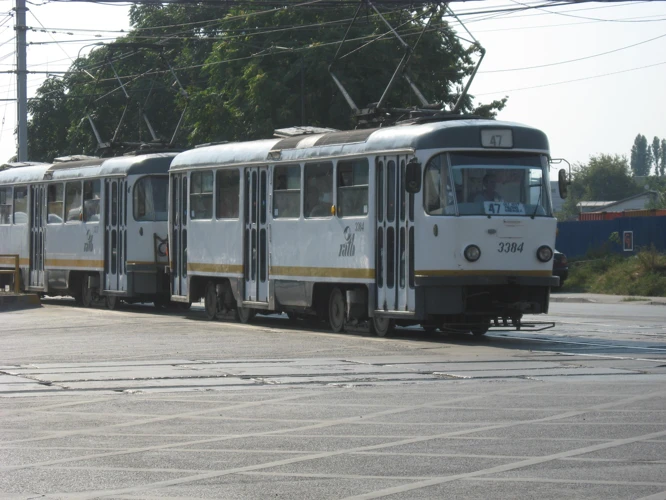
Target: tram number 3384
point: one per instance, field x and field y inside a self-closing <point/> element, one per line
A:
<point x="510" y="247"/>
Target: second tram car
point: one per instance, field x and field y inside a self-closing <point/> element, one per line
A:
<point x="94" y="228"/>
<point x="443" y="223"/>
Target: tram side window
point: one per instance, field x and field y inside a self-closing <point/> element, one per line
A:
<point x="6" y="205"/>
<point x="353" y="188"/>
<point x="227" y="194"/>
<point x="201" y="195"/>
<point x="21" y="205"/>
<point x="438" y="195"/>
<point x="287" y="191"/>
<point x="150" y="198"/>
<point x="91" y="194"/>
<point x="55" y="203"/>
<point x="318" y="189"/>
<point x="73" y="201"/>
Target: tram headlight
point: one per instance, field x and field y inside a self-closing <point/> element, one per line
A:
<point x="544" y="253"/>
<point x="472" y="253"/>
<point x="162" y="249"/>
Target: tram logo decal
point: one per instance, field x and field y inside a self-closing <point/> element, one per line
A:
<point x="88" y="245"/>
<point x="347" y="249"/>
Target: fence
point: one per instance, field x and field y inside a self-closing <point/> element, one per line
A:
<point x="577" y="238"/>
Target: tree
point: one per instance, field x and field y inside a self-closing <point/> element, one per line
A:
<point x="50" y="120"/>
<point x="662" y="166"/>
<point x="245" y="74"/>
<point x="656" y="155"/>
<point x="639" y="157"/>
<point x="604" y="178"/>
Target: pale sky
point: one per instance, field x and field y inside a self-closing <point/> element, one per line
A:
<point x="581" y="118"/>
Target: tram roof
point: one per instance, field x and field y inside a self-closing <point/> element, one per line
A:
<point x="459" y="133"/>
<point x="89" y="168"/>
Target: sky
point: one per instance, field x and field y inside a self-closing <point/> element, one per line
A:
<point x="583" y="112"/>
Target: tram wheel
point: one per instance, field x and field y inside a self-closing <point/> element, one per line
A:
<point x="112" y="302"/>
<point x="381" y="326"/>
<point x="481" y="328"/>
<point x="245" y="314"/>
<point x="161" y="302"/>
<point x="336" y="310"/>
<point x="210" y="301"/>
<point x="86" y="293"/>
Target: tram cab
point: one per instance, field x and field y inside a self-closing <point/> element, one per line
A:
<point x="441" y="223"/>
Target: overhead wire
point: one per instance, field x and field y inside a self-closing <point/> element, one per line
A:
<point x="565" y="14"/>
<point x="577" y="59"/>
<point x="573" y="80"/>
<point x="269" y="51"/>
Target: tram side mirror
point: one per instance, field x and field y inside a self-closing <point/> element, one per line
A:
<point x="413" y="177"/>
<point x="563" y="183"/>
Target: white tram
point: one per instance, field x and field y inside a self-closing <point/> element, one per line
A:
<point x="441" y="223"/>
<point x="90" y="228"/>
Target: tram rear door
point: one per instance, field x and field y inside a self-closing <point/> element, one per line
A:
<point x="255" y="235"/>
<point x="115" y="235"/>
<point x="178" y="243"/>
<point x="37" y="233"/>
<point x="395" y="237"/>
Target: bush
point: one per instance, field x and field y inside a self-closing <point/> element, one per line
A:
<point x="642" y="274"/>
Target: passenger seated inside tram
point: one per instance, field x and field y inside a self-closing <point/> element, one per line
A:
<point x="488" y="192"/>
<point x="91" y="209"/>
<point x="74" y="214"/>
<point x="315" y="203"/>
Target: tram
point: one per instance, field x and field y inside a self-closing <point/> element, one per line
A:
<point x="91" y="228"/>
<point x="446" y="223"/>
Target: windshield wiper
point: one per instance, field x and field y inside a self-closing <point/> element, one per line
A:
<point x="538" y="203"/>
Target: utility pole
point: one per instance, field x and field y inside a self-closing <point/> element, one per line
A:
<point x="21" y="82"/>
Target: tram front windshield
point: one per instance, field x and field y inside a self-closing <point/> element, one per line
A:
<point x="487" y="184"/>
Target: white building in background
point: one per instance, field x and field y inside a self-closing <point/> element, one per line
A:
<point x="639" y="201"/>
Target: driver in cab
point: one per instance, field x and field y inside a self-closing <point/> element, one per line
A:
<point x="489" y="193"/>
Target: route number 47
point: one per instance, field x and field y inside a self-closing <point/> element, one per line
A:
<point x="497" y="138"/>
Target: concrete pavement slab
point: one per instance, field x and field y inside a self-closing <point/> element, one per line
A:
<point x="477" y="489"/>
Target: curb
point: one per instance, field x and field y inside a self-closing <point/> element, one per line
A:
<point x="14" y="302"/>
<point x="573" y="300"/>
<point x="585" y="300"/>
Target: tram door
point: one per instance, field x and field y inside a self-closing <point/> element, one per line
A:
<point x="178" y="244"/>
<point x="395" y="236"/>
<point x="255" y="261"/>
<point x="37" y="233"/>
<point x="115" y="235"/>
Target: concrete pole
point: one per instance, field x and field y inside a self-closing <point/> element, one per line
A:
<point x="21" y="82"/>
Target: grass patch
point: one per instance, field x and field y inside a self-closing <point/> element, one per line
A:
<point x="639" y="275"/>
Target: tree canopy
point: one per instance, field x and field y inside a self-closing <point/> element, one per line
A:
<point x="603" y="178"/>
<point x="244" y="73"/>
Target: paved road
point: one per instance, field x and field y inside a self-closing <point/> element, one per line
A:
<point x="132" y="404"/>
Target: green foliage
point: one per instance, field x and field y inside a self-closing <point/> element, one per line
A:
<point x="656" y="156"/>
<point x="640" y="156"/>
<point x="51" y="118"/>
<point x="246" y="73"/>
<point x="604" y="178"/>
<point x="639" y="275"/>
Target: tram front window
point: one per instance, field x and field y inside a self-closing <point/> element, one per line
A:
<point x="487" y="184"/>
<point x="150" y="198"/>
